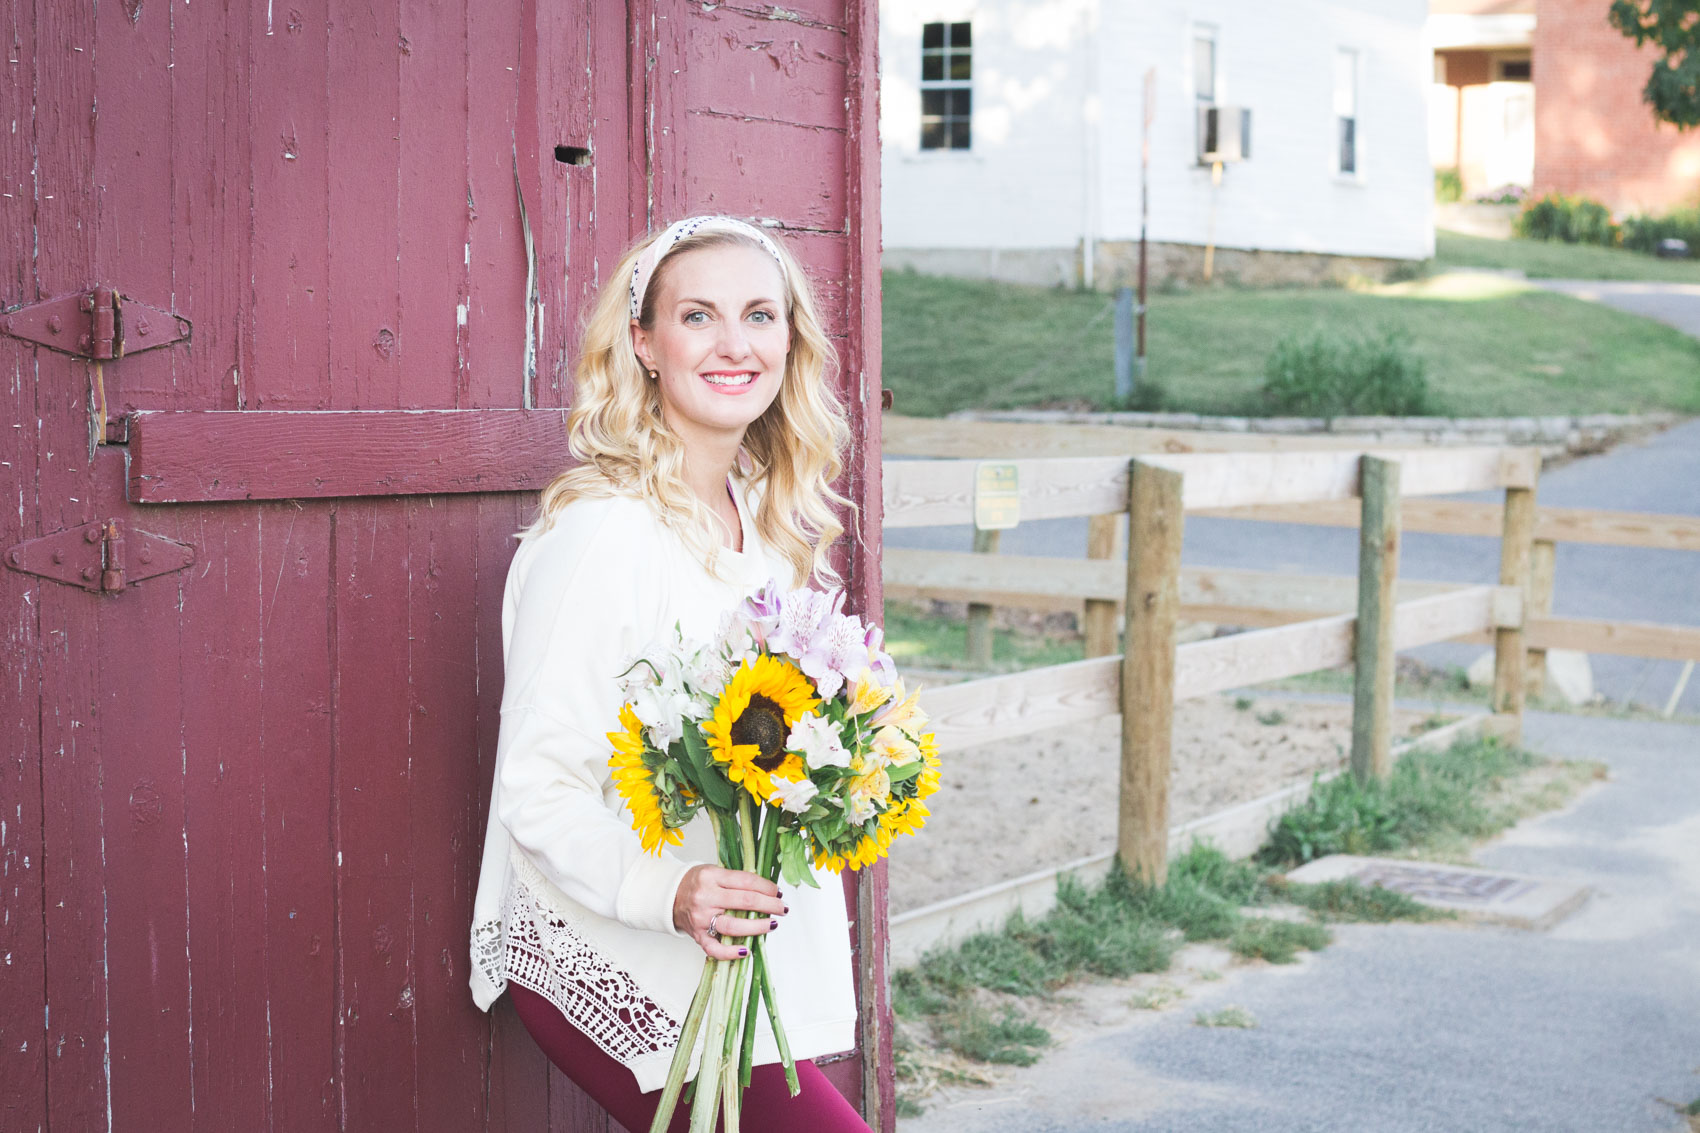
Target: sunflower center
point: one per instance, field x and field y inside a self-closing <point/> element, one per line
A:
<point x="762" y="723"/>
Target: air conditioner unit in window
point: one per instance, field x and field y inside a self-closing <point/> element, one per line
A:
<point x="1224" y="134"/>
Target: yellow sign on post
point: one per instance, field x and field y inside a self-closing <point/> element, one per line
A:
<point x="997" y="496"/>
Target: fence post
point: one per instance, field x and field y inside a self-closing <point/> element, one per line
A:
<point x="979" y="613"/>
<point x="1516" y="549"/>
<point x="1155" y="522"/>
<point x="1372" y="648"/>
<point x="1543" y="562"/>
<point x="1099" y="624"/>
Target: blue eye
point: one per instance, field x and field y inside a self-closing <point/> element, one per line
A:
<point x="762" y="316"/>
<point x="696" y="318"/>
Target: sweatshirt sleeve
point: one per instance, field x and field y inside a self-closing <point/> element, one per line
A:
<point x="583" y="605"/>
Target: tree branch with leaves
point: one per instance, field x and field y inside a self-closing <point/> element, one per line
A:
<point x="1673" y="28"/>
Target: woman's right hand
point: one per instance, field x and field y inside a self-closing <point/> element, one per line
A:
<point x="712" y="895"/>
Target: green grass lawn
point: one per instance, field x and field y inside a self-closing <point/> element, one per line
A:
<point x="1542" y="259"/>
<point x="1492" y="346"/>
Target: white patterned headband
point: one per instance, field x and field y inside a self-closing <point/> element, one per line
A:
<point x="644" y="270"/>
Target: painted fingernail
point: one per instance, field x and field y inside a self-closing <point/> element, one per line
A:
<point x="773" y="924"/>
<point x="786" y="909"/>
<point x="742" y="952"/>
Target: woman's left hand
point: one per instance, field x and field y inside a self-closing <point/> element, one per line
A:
<point x="707" y="898"/>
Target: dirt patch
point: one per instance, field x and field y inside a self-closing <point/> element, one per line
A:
<point x="991" y="821"/>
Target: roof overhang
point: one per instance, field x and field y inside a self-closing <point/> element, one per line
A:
<point x="1447" y="31"/>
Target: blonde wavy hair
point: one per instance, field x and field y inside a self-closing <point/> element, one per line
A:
<point x="791" y="454"/>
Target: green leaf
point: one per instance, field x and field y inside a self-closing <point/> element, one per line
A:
<point x="710" y="778"/>
<point x="907" y="771"/>
<point x="794" y="860"/>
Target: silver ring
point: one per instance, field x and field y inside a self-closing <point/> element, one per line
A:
<point x="711" y="920"/>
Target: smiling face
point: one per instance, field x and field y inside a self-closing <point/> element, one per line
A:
<point x="718" y="339"/>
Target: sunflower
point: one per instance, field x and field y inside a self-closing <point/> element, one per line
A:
<point x="750" y="724"/>
<point x="635" y="780"/>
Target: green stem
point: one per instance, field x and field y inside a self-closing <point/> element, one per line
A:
<point x="708" y="1072"/>
<point x="766" y="986"/>
<point x="682" y="1053"/>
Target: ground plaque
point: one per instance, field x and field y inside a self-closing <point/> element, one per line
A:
<point x="1480" y="894"/>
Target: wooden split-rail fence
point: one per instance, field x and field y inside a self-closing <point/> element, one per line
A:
<point x="1309" y="623"/>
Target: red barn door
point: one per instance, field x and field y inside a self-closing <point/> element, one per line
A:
<point x="280" y="364"/>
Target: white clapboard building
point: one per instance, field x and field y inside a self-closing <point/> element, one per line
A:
<point x="1012" y="130"/>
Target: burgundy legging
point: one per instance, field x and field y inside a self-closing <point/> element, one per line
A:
<point x="820" y="1108"/>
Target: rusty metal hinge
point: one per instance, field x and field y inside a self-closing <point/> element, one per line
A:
<point x="98" y="324"/>
<point x="100" y="556"/>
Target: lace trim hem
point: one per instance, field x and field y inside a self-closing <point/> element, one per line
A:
<point x="535" y="946"/>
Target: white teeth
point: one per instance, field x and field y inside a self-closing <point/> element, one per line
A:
<point x="719" y="380"/>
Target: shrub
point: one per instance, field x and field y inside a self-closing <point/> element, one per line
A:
<point x="1326" y="375"/>
<point x="1573" y="220"/>
<point x="1448" y="186"/>
<point x="1643" y="233"/>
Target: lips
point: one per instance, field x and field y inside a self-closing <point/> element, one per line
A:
<point x="729" y="379"/>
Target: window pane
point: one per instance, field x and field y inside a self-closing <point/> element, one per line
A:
<point x="1204" y="68"/>
<point x="959" y="35"/>
<point x="932" y="66"/>
<point x="932" y="35"/>
<point x="1346" y="83"/>
<point x="932" y="134"/>
<point x="959" y="134"/>
<point x="932" y="103"/>
<point x="961" y="103"/>
<point x="960" y="65"/>
<point x="1348" y="145"/>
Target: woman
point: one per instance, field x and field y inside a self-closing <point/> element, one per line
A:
<point x="706" y="439"/>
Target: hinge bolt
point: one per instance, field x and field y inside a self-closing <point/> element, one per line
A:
<point x="55" y="325"/>
<point x="147" y="554"/>
<point x="58" y="556"/>
<point x="142" y="327"/>
<point x="16" y="558"/>
<point x="90" y="574"/>
<point x="92" y="535"/>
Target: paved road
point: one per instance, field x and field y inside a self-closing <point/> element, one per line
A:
<point x="1659" y="474"/>
<point x="1676" y="304"/>
<point x="1439" y="1029"/>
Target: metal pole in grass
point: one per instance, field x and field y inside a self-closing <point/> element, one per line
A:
<point x="1155" y="523"/>
<point x="1372" y="648"/>
<point x="1124" y="346"/>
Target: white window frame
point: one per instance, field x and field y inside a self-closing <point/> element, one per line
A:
<point x="1203" y="33"/>
<point x="946" y="83"/>
<point x="1348" y="63"/>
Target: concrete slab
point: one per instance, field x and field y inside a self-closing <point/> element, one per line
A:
<point x="1495" y="896"/>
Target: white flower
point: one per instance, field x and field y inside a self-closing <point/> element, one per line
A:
<point x="816" y="740"/>
<point x="793" y="797"/>
<point x="862" y="808"/>
<point x="662" y="709"/>
<point x="706" y="673"/>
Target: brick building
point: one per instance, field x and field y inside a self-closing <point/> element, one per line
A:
<point x="1546" y="94"/>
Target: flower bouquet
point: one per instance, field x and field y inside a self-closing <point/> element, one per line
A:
<point x="792" y="731"/>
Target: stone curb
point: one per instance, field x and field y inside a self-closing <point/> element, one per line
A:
<point x="1559" y="435"/>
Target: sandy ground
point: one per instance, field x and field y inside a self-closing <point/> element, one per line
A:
<point x="990" y="822"/>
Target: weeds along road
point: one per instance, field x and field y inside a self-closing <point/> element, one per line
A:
<point x="1658" y="474"/>
<point x="1435" y="1028"/>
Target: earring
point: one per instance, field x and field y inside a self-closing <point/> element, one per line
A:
<point x="655" y="375"/>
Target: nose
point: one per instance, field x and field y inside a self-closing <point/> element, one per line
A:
<point x="733" y="342"/>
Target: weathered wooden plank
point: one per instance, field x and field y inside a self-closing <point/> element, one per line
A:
<point x="261" y="455"/>
<point x="1468" y="517"/>
<point x="770" y="181"/>
<point x="978" y="712"/>
<point x="59" y="259"/>
<point x="1463" y="612"/>
<point x="363" y="151"/>
<point x="221" y="613"/>
<point x="374" y="722"/>
<point x="1543" y="561"/>
<point x="143" y="744"/>
<point x="1224" y="480"/>
<point x="747" y="63"/>
<point x="494" y="337"/>
<point x="296" y="577"/>
<point x="1633" y="639"/>
<point x="24" y="1020"/>
<point x="1008" y="440"/>
<point x="286" y="349"/>
<point x="1039" y="582"/>
<point x="978" y="645"/>
<point x="1261" y="655"/>
<point x="1372" y="646"/>
<point x="1515" y="554"/>
<point x="446" y="834"/>
<point x="934" y="493"/>
<point x="1099" y="621"/>
<point x="1156" y="524"/>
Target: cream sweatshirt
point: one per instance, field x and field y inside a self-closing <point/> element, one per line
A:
<point x="568" y="903"/>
